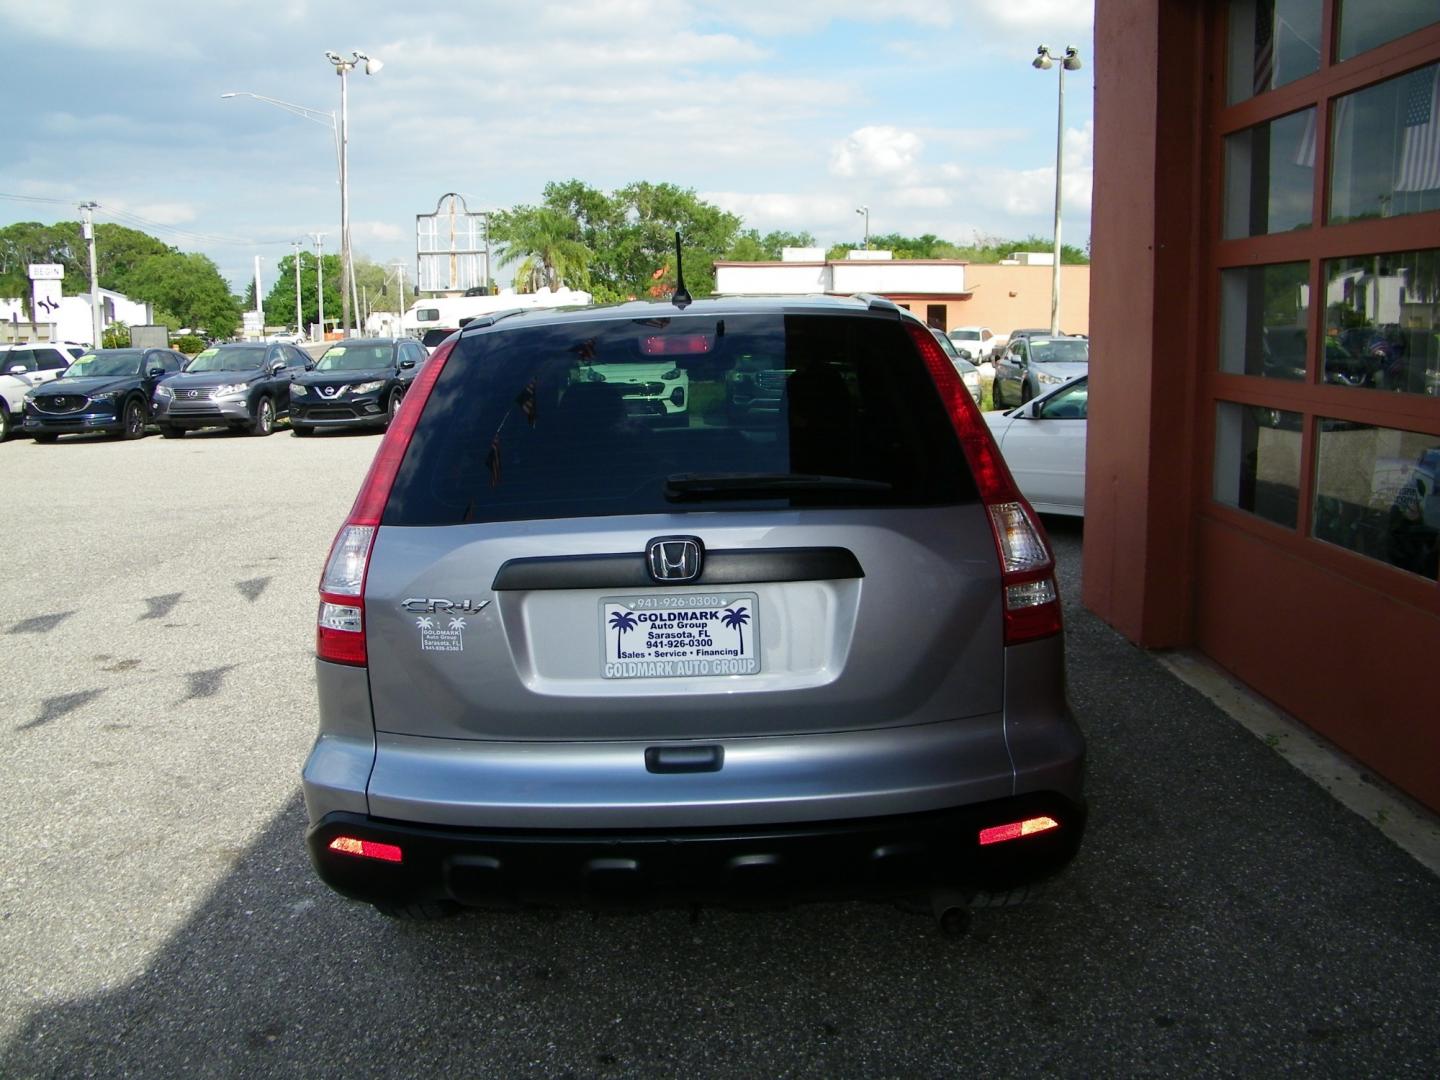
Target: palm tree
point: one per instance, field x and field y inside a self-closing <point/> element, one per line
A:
<point x="735" y="619"/>
<point x="547" y="240"/>
<point x="624" y="622"/>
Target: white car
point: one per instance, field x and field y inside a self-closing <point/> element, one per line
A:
<point x="24" y="367"/>
<point x="967" y="371"/>
<point x="979" y="341"/>
<point x="658" y="391"/>
<point x="1043" y="442"/>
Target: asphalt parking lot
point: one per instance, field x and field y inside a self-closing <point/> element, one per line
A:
<point x="158" y="916"/>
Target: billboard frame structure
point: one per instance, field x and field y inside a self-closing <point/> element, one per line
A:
<point x="452" y="247"/>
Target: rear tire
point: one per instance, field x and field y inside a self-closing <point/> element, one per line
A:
<point x="5" y="422"/>
<point x="170" y="431"/>
<point x="419" y="911"/>
<point x="264" y="422"/>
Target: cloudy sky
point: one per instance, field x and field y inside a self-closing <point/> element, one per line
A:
<point x="790" y="113"/>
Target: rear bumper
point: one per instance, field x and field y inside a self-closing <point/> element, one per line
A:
<point x="876" y="857"/>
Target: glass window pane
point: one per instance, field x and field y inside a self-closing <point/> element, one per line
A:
<point x="1375" y="494"/>
<point x="1264" y="315"/>
<point x="1269" y="176"/>
<point x="1367" y="23"/>
<point x="1382" y="317"/>
<point x="1257" y="461"/>
<point x="1385" y="148"/>
<point x="1272" y="42"/>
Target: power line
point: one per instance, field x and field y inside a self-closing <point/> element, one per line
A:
<point x="128" y="217"/>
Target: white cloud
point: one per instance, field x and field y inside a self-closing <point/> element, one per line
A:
<point x="162" y="213"/>
<point x="376" y="230"/>
<point x="876" y="151"/>
<point x="1043" y="17"/>
<point x="807" y="16"/>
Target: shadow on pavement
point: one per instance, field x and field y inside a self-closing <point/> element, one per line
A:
<point x="1224" y="918"/>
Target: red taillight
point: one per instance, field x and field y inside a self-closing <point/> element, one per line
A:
<point x="340" y="622"/>
<point x="1016" y="829"/>
<point x="1030" y="599"/>
<point x="366" y="849"/>
<point x="676" y="344"/>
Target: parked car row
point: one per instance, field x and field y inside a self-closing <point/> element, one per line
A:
<point x="245" y="387"/>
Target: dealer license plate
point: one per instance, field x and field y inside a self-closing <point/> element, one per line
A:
<point x="680" y="634"/>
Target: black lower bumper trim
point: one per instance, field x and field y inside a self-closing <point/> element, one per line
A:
<point x="889" y="856"/>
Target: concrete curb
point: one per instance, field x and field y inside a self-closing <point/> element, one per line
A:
<point x="1411" y="826"/>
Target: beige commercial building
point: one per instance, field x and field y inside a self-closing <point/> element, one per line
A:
<point x="944" y="292"/>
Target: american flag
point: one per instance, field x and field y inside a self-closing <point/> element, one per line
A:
<point x="492" y="460"/>
<point x="1264" y="48"/>
<point x="1420" y="116"/>
<point x="1339" y="116"/>
<point x="526" y="401"/>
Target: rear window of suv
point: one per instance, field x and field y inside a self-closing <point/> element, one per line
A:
<point x="673" y="414"/>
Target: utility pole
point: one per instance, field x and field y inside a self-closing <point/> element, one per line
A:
<point x="259" y="304"/>
<point x="319" y="239"/>
<point x="299" y="322"/>
<point x="399" y="266"/>
<point x="86" y="209"/>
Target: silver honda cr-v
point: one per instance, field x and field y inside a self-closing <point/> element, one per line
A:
<point x="567" y="653"/>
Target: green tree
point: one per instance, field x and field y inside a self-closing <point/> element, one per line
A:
<point x="654" y="212"/>
<point x="548" y="243"/>
<point x="280" y="300"/>
<point x="188" y="287"/>
<point x="750" y="246"/>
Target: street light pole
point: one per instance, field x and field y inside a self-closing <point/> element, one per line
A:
<point x="1044" y="59"/>
<point x="865" y="212"/>
<point x="299" y="321"/>
<point x="343" y="67"/>
<point x="319" y="239"/>
<point x="88" y="228"/>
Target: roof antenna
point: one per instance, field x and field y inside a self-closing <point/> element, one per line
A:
<point x="681" y="296"/>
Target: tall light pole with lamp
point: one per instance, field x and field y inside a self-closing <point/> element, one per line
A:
<point x="324" y="119"/>
<point x="1044" y="60"/>
<point x="864" y="211"/>
<point x="343" y="68"/>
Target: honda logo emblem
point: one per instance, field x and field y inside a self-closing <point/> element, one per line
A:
<point x="675" y="558"/>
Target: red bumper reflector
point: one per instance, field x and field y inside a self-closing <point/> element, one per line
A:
<point x="368" y="849"/>
<point x="1016" y="829"/>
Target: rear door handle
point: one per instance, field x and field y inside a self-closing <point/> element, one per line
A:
<point x="684" y="759"/>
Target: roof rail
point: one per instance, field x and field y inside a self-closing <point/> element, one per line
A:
<point x="877" y="303"/>
<point x="479" y="322"/>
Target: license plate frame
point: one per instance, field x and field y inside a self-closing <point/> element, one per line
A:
<point x="680" y="635"/>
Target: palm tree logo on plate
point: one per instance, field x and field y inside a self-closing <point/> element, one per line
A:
<point x="425" y="623"/>
<point x="623" y="622"/>
<point x="457" y="623"/>
<point x="735" y="619"/>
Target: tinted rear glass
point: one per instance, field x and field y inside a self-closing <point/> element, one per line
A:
<point x="632" y="416"/>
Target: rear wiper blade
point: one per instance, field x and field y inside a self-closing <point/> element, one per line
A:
<point x="681" y="487"/>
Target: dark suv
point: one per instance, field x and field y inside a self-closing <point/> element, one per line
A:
<point x="244" y="387"/>
<point x="105" y="390"/>
<point x="567" y="655"/>
<point x="357" y="383"/>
